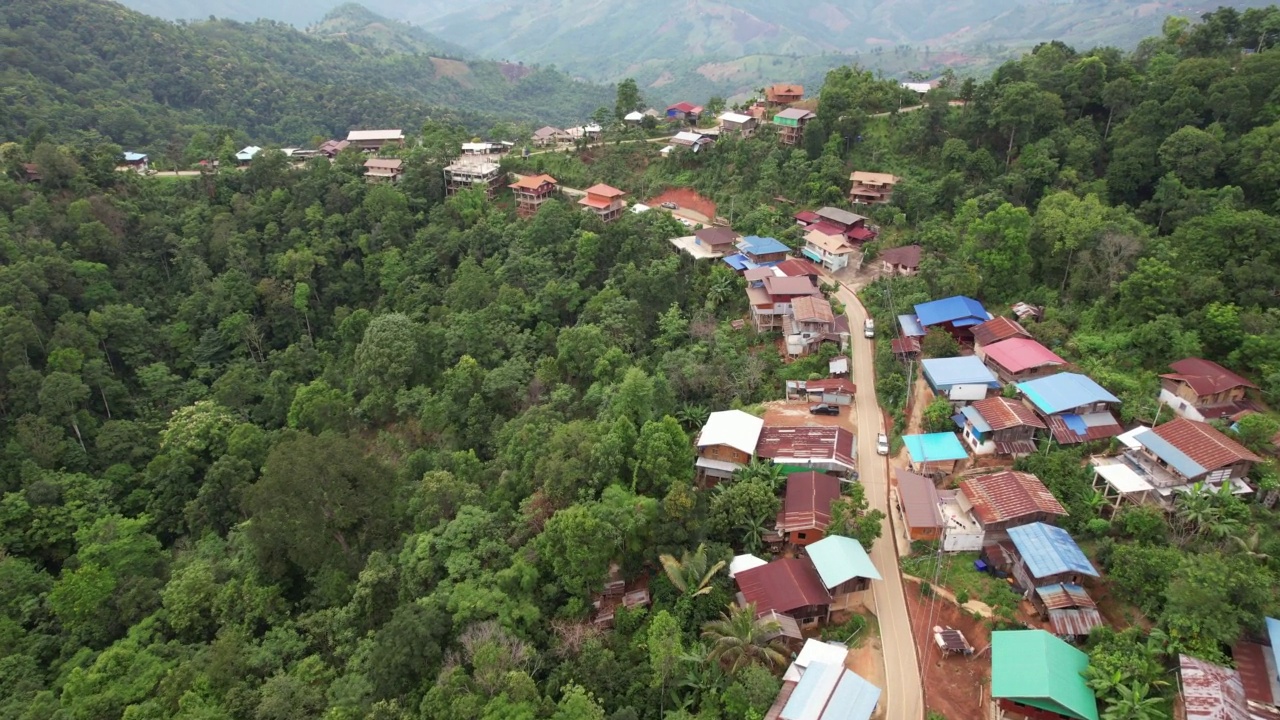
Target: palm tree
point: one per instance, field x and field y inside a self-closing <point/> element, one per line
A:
<point x="691" y="416"/>
<point x="690" y="574"/>
<point x="1104" y="683"/>
<point x="753" y="532"/>
<point x="721" y="291"/>
<point x="762" y="470"/>
<point x="1135" y="703"/>
<point x="739" y="639"/>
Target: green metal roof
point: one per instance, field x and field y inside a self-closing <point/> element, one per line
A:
<point x="1034" y="668"/>
<point x="838" y="558"/>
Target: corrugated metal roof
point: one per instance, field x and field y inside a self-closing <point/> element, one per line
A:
<point x="997" y="329"/>
<point x="971" y="414"/>
<point x="911" y="326"/>
<point x="1001" y="413"/>
<point x="1047" y="550"/>
<point x="943" y="373"/>
<point x="839" y="559"/>
<point x="807" y="445"/>
<point x="1077" y="622"/>
<point x="783" y="585"/>
<point x="919" y="498"/>
<point x="807" y="505"/>
<point x="742" y="563"/>
<point x="1070" y="429"/>
<point x="1211" y="692"/>
<point x="1009" y="495"/>
<point x="757" y="245"/>
<point x="1019" y="354"/>
<point x="1273" y="631"/>
<point x="737" y="429"/>
<point x="812" y="309"/>
<point x="907" y="256"/>
<point x="951" y="310"/>
<point x="1064" y="391"/>
<point x="1251" y="663"/>
<point x="854" y="699"/>
<point x="934" y="447"/>
<point x="841" y="217"/>
<point x="134" y="157"/>
<point x="1064" y="596"/>
<point x="1194" y="445"/>
<point x="1032" y="667"/>
<point x="1206" y="377"/>
<point x="794" y="114"/>
<point x="813" y="691"/>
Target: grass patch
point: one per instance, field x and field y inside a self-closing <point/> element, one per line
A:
<point x="853" y="632"/>
<point x="956" y="574"/>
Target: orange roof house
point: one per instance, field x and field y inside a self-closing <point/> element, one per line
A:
<point x="605" y="201"/>
<point x="531" y="191"/>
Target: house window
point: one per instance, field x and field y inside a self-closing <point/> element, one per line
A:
<point x="800" y="536"/>
<point x="808" y="621"/>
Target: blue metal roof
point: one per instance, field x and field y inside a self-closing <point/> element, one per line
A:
<point x="1049" y="550"/>
<point x="1177" y="459"/>
<point x="854" y="699"/>
<point x="980" y="423"/>
<point x="945" y="373"/>
<point x="934" y="447"/>
<point x="1273" y="629"/>
<point x="957" y="310"/>
<point x="757" y="245"/>
<point x="839" y="559"/>
<point x="828" y="691"/>
<point x="737" y="261"/>
<point x="911" y="326"/>
<point x="1064" y="391"/>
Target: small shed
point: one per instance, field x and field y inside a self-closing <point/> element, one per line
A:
<point x="959" y="379"/>
<point x="934" y="452"/>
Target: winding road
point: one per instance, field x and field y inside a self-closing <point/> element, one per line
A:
<point x="904" y="692"/>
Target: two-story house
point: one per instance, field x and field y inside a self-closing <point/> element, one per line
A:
<point x="383" y="169"/>
<point x="831" y="251"/>
<point x="791" y="124"/>
<point x="685" y="112"/>
<point x="1174" y="456"/>
<point x="732" y="123"/>
<point x="726" y="443"/>
<point x="606" y="202"/>
<point x="871" y="188"/>
<point x="852" y="226"/>
<point x="771" y="302"/>
<point x="1199" y="389"/>
<point x="1075" y="408"/>
<point x="811" y="323"/>
<point x="1000" y="426"/>
<point x="531" y="191"/>
<point x="783" y="94"/>
<point x="957" y="315"/>
<point x="375" y="140"/>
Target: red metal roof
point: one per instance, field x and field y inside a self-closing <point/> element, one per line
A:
<point x="1211" y="692"/>
<point x="1001" y="413"/>
<point x="907" y="256"/>
<point x="790" y="286"/>
<point x="783" y="585"/>
<point x="1206" y="377"/>
<point x="905" y="346"/>
<point x="997" y="329"/>
<point x="808" y="502"/>
<point x="1019" y="353"/>
<point x="827" y="228"/>
<point x="1009" y="495"/>
<point x="797" y="267"/>
<point x="1202" y="442"/>
<point x="813" y="442"/>
<point x="1251" y="661"/>
<point x="919" y="498"/>
<point x="807" y="217"/>
<point x="684" y="107"/>
<point x="860" y="233"/>
<point x="832" y="385"/>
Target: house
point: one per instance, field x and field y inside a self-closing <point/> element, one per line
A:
<point x="763" y="250"/>
<point x="717" y="240"/>
<point x="917" y="87"/>
<point x="871" y="188"/>
<point x="727" y="443"/>
<point x="547" y="135"/>
<point x="1068" y="608"/>
<point x="771" y="302"/>
<point x="375" y="140"/>
<point x="1174" y="456"/>
<point x="827" y="691"/>
<point x="783" y="94"/>
<point x="685" y="111"/>
<point x="904" y="260"/>
<point x="1257" y="663"/>
<point x="838" y="366"/>
<point x="791" y="124"/>
<point x="692" y="140"/>
<point x="1210" y="692"/>
<point x="919" y="506"/>
<point x="246" y="155"/>
<point x="135" y="161"/>
<point x="851" y="225"/>
<point x="1075" y="408"/>
<point x="583" y="132"/>
<point x="934" y="452"/>
<point x="330" y="148"/>
<point x="1000" y="426"/>
<point x="31" y="173"/>
<point x="905" y="348"/>
<point x="635" y="117"/>
<point x="955" y="314"/>
<point x="806" y="508"/>
<point x="910" y="326"/>
<point x="1037" y="676"/>
<point x="799" y="267"/>
<point x="844" y="566"/>
<point x="606" y="202"/>
<point x="805" y="218"/>
<point x="741" y="563"/>
<point x="383" y="169"/>
<point x="1018" y="359"/>
<point x="787" y="586"/>
<point x="737" y="124"/>
<point x="832" y="252"/>
<point x="825" y="448"/>
<point x="485" y="148"/>
<point x="997" y="329"/>
<point x="1199" y="389"/>
<point x="959" y="379"/>
<point x="472" y="173"/>
<point x="1046" y="555"/>
<point x="832" y="391"/>
<point x="811" y="323"/>
<point x="1008" y="499"/>
<point x="531" y="191"/>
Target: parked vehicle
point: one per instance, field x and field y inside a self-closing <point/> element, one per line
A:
<point x="670" y="205"/>
<point x="824" y="409"/>
<point x="882" y="444"/>
<point x="869" y="328"/>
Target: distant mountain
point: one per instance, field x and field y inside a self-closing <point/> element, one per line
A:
<point x="294" y="12"/>
<point x="75" y="66"/>
<point x="359" y="25"/>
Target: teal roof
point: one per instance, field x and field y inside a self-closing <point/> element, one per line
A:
<point x="1065" y="391"/>
<point x="839" y="559"/>
<point x="934" y="447"/>
<point x="1034" y="668"/>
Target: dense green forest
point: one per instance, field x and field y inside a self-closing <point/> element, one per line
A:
<point x="85" y="70"/>
<point x="283" y="444"/>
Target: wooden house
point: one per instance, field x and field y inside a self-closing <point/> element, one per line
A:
<point x="1199" y="389"/>
<point x="606" y="202"/>
<point x="918" y="504"/>
<point x="726" y="444"/>
<point x="783" y="94"/>
<point x="1007" y="499"/>
<point x="791" y="124"/>
<point x="806" y="507"/>
<point x="531" y="191"/>
<point x="383" y="170"/>
<point x="737" y="124"/>
<point x="1018" y="359"/>
<point x="1076" y="409"/>
<point x="1000" y="426"/>
<point x="787" y="586"/>
<point x="1047" y="555"/>
<point x="844" y="568"/>
<point x="871" y="188"/>
<point x="771" y="302"/>
<point x="375" y="140"/>
<point x="904" y="260"/>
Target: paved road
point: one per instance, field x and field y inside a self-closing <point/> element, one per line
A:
<point x="904" y="694"/>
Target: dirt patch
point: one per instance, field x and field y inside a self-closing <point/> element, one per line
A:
<point x="954" y="685"/>
<point x="786" y="413"/>
<point x="686" y="199"/>
<point x="455" y="69"/>
<point x="720" y="72"/>
<point x="513" y="72"/>
<point x="665" y="78"/>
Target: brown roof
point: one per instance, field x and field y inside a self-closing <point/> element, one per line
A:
<point x="1202" y="442"/>
<point x="997" y="329"/>
<point x="532" y="182"/>
<point x="605" y="191"/>
<point x="757" y="296"/>
<point x="843" y="386"/>
<point x="801" y="285"/>
<point x="1009" y="495"/>
<point x="1251" y="661"/>
<point x="1097" y="426"/>
<point x="547" y="131"/>
<point x="1002" y="413"/>
<point x="812" y="442"/>
<point x="1205" y="376"/>
<point x="873" y="178"/>
<point x="919" y="498"/>
<point x="795" y="267"/>
<point x="783" y="585"/>
<point x="784" y="89"/>
<point x="812" y="309"/>
<point x="1211" y="692"/>
<point x="383" y="163"/>
<point x="907" y="256"/>
<point x="808" y="502"/>
<point x="905" y="346"/>
<point x="717" y="236"/>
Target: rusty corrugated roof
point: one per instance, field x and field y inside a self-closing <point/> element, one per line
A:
<point x="1077" y="622"/>
<point x="1009" y="495"/>
<point x="808" y="502"/>
<point x="815" y="442"/>
<point x="1205" y="376"/>
<point x="1211" y="692"/>
<point x="1202" y="442"/>
<point x="783" y="585"/>
<point x="997" y="329"/>
<point x="1002" y="413"/>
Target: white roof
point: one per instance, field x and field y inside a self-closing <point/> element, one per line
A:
<point x="634" y="115"/>
<point x="666" y="150"/>
<point x="744" y="562"/>
<point x="1127" y="439"/>
<point x="475" y="146"/>
<point x="918" y="87"/>
<point x="376" y="135"/>
<point x="839" y="364"/>
<point x="248" y="153"/>
<point x="713" y="464"/>
<point x="686" y="136"/>
<point x="734" y="117"/>
<point x="737" y="429"/>
<point x="815" y="650"/>
<point x="1122" y="478"/>
<point x="639" y="208"/>
<point x="592" y="128"/>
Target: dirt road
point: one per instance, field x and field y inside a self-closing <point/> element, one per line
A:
<point x="903" y="692"/>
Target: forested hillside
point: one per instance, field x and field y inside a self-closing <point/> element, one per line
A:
<point x="73" y="67"/>
<point x="279" y="443"/>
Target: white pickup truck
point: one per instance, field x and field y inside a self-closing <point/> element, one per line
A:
<point x="869" y="328"/>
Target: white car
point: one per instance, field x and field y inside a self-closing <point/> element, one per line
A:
<point x="869" y="328"/>
<point x="882" y="444"/>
